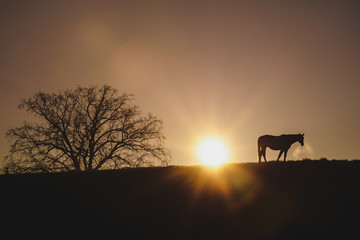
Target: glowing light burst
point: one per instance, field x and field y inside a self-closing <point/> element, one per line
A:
<point x="212" y="152"/>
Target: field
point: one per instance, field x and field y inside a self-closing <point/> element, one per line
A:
<point x="275" y="200"/>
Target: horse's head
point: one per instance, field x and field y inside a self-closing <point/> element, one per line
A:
<point x="301" y="139"/>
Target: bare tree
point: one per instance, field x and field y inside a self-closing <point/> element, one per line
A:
<point x="85" y="129"/>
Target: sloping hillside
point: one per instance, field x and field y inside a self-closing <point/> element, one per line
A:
<point x="291" y="200"/>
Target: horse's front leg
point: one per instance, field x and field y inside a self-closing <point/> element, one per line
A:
<point x="281" y="152"/>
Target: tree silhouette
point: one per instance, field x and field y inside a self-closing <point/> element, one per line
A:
<point x="85" y="129"/>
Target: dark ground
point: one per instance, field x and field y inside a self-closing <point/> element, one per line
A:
<point x="292" y="200"/>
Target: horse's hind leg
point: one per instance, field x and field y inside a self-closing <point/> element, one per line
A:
<point x="281" y="152"/>
<point x="285" y="153"/>
<point x="263" y="152"/>
<point x="259" y="153"/>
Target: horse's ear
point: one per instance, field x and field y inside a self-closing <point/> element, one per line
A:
<point x="303" y="134"/>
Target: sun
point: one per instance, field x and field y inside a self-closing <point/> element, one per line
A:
<point x="212" y="152"/>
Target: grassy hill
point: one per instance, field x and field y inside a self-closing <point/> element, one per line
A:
<point x="276" y="200"/>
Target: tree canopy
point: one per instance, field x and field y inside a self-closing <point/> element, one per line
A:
<point x="85" y="129"/>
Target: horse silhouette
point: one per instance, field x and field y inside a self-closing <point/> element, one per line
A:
<point x="282" y="143"/>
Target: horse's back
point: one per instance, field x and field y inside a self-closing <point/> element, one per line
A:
<point x="273" y="142"/>
<point x="266" y="138"/>
<point x="273" y="137"/>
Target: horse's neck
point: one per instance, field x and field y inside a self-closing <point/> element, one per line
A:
<point x="293" y="138"/>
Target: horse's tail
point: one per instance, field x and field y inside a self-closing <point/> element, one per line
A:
<point x="259" y="151"/>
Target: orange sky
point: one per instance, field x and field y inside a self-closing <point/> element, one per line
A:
<point x="235" y="69"/>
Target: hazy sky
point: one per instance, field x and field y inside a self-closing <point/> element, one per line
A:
<point x="234" y="69"/>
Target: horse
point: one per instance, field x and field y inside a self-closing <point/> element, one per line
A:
<point x="282" y="143"/>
